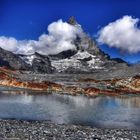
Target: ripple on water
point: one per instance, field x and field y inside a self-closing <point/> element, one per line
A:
<point x="103" y="111"/>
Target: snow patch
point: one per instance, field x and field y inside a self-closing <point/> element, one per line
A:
<point x="82" y="55"/>
<point x="28" y="59"/>
<point x="77" y="62"/>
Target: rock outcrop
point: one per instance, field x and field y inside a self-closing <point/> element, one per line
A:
<point x="34" y="62"/>
<point x="38" y="63"/>
<point x="11" y="60"/>
<point x="112" y="87"/>
<point x="87" y="57"/>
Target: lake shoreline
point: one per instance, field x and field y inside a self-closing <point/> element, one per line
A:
<point x="37" y="130"/>
<point x="86" y="84"/>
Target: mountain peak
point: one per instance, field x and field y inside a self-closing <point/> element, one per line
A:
<point x="72" y="20"/>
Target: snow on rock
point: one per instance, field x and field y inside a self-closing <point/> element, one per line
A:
<point x="82" y="60"/>
<point x="82" y="55"/>
<point x="28" y="59"/>
<point x="78" y="61"/>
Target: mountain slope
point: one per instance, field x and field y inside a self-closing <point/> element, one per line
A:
<point x="38" y="63"/>
<point x="85" y="58"/>
<point x="81" y="61"/>
<point x="35" y="62"/>
<point x="12" y="60"/>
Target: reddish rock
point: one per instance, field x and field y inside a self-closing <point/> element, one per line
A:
<point x="112" y="87"/>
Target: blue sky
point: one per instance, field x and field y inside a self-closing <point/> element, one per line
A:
<point x="28" y="19"/>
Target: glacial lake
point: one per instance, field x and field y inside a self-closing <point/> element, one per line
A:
<point x="102" y="112"/>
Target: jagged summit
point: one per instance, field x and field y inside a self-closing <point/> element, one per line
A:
<point x="84" y="41"/>
<point x="86" y="57"/>
<point x="72" y="20"/>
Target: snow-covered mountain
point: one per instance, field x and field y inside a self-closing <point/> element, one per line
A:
<point x="37" y="62"/>
<point x="86" y="57"/>
<point x="81" y="61"/>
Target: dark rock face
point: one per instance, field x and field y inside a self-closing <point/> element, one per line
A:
<point x="41" y="64"/>
<point x="119" y="60"/>
<point x="12" y="60"/>
<point x="63" y="55"/>
<point x="86" y="58"/>
<point x="38" y="63"/>
<point x="4" y="63"/>
<point x="72" y="20"/>
<point x="85" y="41"/>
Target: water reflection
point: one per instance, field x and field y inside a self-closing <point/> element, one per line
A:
<point x="129" y="101"/>
<point x="104" y="111"/>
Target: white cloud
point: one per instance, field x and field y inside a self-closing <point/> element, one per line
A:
<point x="123" y="34"/>
<point x="10" y="43"/>
<point x="60" y="37"/>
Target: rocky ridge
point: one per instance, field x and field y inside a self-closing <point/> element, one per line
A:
<point x="100" y="73"/>
<point x="87" y="87"/>
<point x="86" y="58"/>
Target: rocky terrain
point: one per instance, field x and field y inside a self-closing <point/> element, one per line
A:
<point x="75" y="86"/>
<point x="87" y="57"/>
<point x="42" y="130"/>
<point x="85" y="70"/>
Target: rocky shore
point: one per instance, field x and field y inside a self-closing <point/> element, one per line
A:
<point x="44" y="130"/>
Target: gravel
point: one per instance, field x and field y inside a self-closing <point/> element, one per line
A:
<point x="45" y="130"/>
